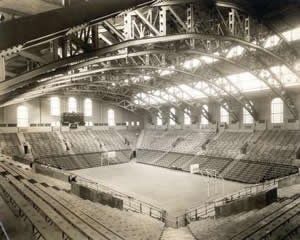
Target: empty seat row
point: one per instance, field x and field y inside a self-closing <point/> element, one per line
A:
<point x="277" y="221"/>
<point x="77" y="218"/>
<point x="89" y="160"/>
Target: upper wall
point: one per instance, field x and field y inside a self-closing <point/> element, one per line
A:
<point x="39" y="112"/>
<point x="262" y="104"/>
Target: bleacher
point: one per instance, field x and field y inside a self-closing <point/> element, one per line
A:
<point x="111" y="140"/>
<point x="87" y="160"/>
<point x="9" y="144"/>
<point x="167" y="159"/>
<point x="280" y="220"/>
<point x="71" y="150"/>
<point x="81" y="141"/>
<point x="193" y="142"/>
<point x="130" y="135"/>
<point x="258" y="156"/>
<point x="45" y="144"/>
<point x="147" y="157"/>
<point x="56" y="214"/>
<point x="161" y="140"/>
<point x="227" y="144"/>
<point x="275" y="146"/>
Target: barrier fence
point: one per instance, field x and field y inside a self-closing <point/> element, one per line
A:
<point x="200" y="211"/>
<point x="129" y="203"/>
<point x="207" y="209"/>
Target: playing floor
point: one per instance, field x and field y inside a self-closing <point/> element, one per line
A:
<point x="171" y="190"/>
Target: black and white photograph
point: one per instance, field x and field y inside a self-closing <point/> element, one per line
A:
<point x="149" y="119"/>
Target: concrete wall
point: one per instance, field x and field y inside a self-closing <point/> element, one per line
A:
<point x="257" y="201"/>
<point x="289" y="181"/>
<point x="96" y="196"/>
<point x="39" y="112"/>
<point x="51" y="172"/>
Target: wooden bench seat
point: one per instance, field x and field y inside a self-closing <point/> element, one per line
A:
<point x="46" y="231"/>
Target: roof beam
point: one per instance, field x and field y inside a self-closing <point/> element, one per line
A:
<point x="94" y="55"/>
<point x="19" y="32"/>
<point x="32" y="57"/>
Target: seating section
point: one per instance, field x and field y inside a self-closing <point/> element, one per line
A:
<point x="208" y="163"/>
<point x="75" y="149"/>
<point x="275" y="146"/>
<point x="45" y="144"/>
<point x="81" y="141"/>
<point x="193" y="142"/>
<point x="89" y="160"/>
<point x="250" y="172"/>
<point x="181" y="141"/>
<point x="159" y="139"/>
<point x="258" y="156"/>
<point x="167" y="159"/>
<point x="111" y="140"/>
<point x="181" y="162"/>
<point x="227" y="144"/>
<point x="148" y="157"/>
<point x="130" y="135"/>
<point x="280" y="220"/>
<point x="60" y="215"/>
<point x="9" y="144"/>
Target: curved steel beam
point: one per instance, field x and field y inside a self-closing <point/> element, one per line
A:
<point x="194" y="52"/>
<point x="20" y="33"/>
<point x="86" y="57"/>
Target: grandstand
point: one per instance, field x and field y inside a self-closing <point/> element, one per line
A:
<point x="149" y="119"/>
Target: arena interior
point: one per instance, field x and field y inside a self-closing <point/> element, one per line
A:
<point x="149" y="120"/>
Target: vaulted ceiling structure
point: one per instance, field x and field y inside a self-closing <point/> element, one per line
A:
<point x="147" y="54"/>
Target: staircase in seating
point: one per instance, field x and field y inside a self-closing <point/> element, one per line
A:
<point x="140" y="139"/>
<point x="173" y="145"/>
<point x="177" y="234"/>
<point x="229" y="167"/>
<point x="61" y="138"/>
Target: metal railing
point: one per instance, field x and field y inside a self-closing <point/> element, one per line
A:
<point x="129" y="203"/>
<point x="207" y="209"/>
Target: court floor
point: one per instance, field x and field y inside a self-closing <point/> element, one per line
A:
<point x="171" y="190"/>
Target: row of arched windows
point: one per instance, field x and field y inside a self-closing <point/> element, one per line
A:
<point x="276" y="114"/>
<point x="72" y="106"/>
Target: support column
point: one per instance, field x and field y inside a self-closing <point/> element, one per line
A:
<point x="2" y="69"/>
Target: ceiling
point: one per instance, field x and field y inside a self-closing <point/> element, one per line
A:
<point x="116" y="58"/>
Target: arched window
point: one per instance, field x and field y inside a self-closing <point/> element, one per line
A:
<point x="89" y="123"/>
<point x="55" y="124"/>
<point x="159" y="119"/>
<point x="22" y="116"/>
<point x="277" y="110"/>
<point x="111" y="117"/>
<point x="187" y="116"/>
<point x="72" y="104"/>
<point x="54" y="106"/>
<point x="172" y="116"/>
<point x="247" y="117"/>
<point x="88" y="107"/>
<point x="204" y="120"/>
<point x="224" y="115"/>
